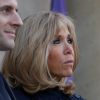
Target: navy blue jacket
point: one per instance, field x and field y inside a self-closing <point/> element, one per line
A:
<point x="48" y="94"/>
<point x="5" y="91"/>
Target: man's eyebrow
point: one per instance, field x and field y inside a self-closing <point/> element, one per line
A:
<point x="7" y="6"/>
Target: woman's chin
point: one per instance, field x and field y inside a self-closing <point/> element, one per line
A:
<point x="68" y="73"/>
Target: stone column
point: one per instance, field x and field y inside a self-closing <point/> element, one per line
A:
<point x="86" y="15"/>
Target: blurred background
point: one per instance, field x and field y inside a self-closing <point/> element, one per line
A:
<point x="86" y="15"/>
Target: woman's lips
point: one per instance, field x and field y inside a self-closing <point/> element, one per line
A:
<point x="68" y="61"/>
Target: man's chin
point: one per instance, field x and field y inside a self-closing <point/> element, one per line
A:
<point x="7" y="45"/>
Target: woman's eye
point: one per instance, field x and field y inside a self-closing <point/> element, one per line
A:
<point x="56" y="41"/>
<point x="70" y="41"/>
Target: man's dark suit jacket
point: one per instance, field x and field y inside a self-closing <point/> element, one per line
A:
<point x="5" y="91"/>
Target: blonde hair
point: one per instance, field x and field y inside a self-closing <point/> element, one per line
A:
<point x="26" y="65"/>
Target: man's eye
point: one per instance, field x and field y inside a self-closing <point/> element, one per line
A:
<point x="70" y="41"/>
<point x="6" y="10"/>
<point x="56" y="41"/>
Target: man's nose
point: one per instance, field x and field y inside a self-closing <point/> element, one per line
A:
<point x="16" y="20"/>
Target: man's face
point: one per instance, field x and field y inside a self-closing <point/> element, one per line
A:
<point x="9" y="22"/>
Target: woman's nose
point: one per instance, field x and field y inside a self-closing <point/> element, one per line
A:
<point x="67" y="48"/>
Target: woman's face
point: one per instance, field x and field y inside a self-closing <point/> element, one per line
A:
<point x="61" y="54"/>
